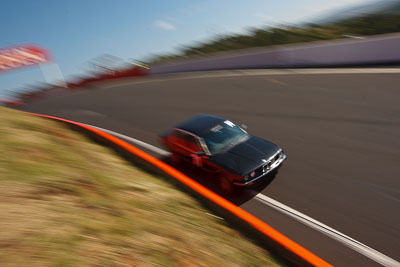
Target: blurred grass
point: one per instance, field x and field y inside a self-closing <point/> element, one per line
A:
<point x="66" y="201"/>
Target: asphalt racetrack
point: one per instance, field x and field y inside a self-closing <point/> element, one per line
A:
<point x="341" y="133"/>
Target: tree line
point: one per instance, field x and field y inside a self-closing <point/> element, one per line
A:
<point x="370" y="24"/>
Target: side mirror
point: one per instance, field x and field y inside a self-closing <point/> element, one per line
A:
<point x="244" y="126"/>
<point x="197" y="158"/>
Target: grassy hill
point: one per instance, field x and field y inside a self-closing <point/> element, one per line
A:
<point x="66" y="201"/>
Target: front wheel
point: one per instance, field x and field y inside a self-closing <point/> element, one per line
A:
<point x="226" y="187"/>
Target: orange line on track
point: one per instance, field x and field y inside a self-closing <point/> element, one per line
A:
<point x="222" y="202"/>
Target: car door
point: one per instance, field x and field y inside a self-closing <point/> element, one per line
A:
<point x="184" y="143"/>
<point x="189" y="147"/>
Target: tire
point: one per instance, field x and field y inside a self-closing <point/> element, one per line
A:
<point x="225" y="186"/>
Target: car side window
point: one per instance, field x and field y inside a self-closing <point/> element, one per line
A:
<point x="187" y="141"/>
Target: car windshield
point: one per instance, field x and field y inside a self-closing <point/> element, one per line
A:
<point x="222" y="136"/>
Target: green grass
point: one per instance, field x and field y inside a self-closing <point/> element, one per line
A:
<point x="66" y="201"/>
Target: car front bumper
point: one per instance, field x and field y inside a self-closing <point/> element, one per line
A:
<point x="273" y="167"/>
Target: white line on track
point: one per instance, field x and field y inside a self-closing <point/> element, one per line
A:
<point x="250" y="72"/>
<point x="304" y="219"/>
<point x="342" y="238"/>
<point x="135" y="141"/>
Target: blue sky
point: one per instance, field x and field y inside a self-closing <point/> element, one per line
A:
<point x="76" y="31"/>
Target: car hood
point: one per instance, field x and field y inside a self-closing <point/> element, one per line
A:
<point x="246" y="156"/>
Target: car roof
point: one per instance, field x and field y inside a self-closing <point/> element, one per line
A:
<point x="199" y="123"/>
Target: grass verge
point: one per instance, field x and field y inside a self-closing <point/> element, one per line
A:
<point x="66" y="201"/>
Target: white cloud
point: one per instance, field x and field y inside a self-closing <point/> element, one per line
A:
<point x="164" y="25"/>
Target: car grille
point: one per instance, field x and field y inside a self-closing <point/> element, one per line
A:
<point x="276" y="157"/>
<point x="263" y="169"/>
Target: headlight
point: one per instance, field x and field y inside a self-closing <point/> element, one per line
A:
<point x="252" y="174"/>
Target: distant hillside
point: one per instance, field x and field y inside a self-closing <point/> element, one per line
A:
<point x="382" y="7"/>
<point x="369" y="19"/>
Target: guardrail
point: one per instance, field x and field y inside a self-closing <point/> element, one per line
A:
<point x="372" y="50"/>
<point x="270" y="237"/>
<point x="10" y="102"/>
<point x="81" y="84"/>
<point x="131" y="72"/>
